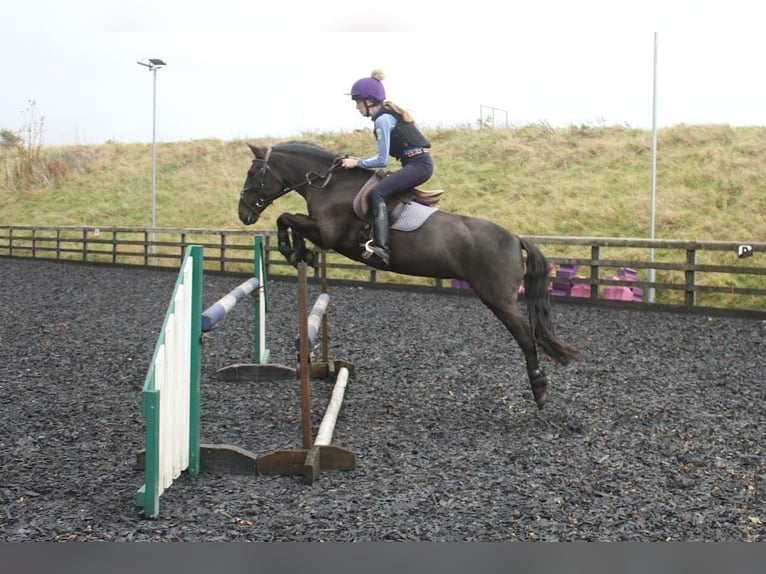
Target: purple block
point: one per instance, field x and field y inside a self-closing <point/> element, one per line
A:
<point x="566" y="270"/>
<point x="562" y="289"/>
<point x="627" y="274"/>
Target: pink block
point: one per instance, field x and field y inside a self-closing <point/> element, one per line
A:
<point x="580" y="290"/>
<point x="618" y="292"/>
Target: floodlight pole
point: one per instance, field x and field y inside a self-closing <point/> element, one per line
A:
<point x="651" y="273"/>
<point x="153" y="64"/>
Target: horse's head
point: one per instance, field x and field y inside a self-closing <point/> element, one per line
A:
<point x="262" y="186"/>
<point x="275" y="171"/>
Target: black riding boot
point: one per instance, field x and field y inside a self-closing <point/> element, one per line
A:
<point x="380" y="233"/>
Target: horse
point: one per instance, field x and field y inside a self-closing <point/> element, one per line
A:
<point x="446" y="245"/>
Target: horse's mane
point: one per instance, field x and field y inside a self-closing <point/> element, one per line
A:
<point x="323" y="155"/>
<point x="307" y="148"/>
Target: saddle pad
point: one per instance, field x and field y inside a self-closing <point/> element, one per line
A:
<point x="412" y="217"/>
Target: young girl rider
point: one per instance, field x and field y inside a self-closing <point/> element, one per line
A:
<point x="398" y="137"/>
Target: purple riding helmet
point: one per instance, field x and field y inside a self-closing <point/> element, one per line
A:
<point x="369" y="88"/>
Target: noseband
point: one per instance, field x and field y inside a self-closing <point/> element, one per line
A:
<point x="310" y="179"/>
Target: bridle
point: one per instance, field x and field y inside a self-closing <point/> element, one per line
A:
<point x="310" y="179"/>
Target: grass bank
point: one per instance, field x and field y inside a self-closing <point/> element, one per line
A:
<point x="533" y="180"/>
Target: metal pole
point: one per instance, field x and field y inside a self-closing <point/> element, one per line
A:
<point x="654" y="173"/>
<point x="152" y="258"/>
<point x="153" y="64"/>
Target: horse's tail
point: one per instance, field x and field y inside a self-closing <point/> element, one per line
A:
<point x="539" y="307"/>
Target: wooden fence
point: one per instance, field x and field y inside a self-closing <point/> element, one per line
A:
<point x="714" y="274"/>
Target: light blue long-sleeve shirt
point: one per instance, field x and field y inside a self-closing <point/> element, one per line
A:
<point x="384" y="123"/>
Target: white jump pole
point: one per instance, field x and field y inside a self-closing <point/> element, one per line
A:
<point x="327" y="426"/>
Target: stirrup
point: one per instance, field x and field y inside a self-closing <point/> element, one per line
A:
<point x="370" y="250"/>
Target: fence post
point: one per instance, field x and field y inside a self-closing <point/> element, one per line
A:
<point x="689" y="272"/>
<point x="222" y="253"/>
<point x="595" y="270"/>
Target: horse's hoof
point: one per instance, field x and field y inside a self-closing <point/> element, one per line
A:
<point x="539" y="383"/>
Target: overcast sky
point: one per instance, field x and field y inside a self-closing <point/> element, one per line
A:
<point x="239" y="69"/>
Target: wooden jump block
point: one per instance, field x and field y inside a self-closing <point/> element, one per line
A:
<point x="322" y="455"/>
<point x="255" y="373"/>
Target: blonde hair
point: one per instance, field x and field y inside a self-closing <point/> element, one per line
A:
<point x="378" y="74"/>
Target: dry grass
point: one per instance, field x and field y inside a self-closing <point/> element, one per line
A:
<point x="533" y="180"/>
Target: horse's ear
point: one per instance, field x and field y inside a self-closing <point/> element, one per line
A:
<point x="253" y="149"/>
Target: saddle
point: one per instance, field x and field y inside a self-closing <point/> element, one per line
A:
<point x="396" y="203"/>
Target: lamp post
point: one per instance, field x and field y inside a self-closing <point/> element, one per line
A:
<point x="651" y="274"/>
<point x="153" y="64"/>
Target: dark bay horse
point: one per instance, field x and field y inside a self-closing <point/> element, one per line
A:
<point x="446" y="246"/>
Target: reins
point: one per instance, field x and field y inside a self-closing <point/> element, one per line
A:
<point x="311" y="177"/>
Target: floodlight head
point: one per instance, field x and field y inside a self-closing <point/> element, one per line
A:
<point x="152" y="63"/>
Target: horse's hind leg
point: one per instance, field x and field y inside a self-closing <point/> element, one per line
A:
<point x="518" y="327"/>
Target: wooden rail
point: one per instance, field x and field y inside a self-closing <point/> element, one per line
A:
<point x="686" y="273"/>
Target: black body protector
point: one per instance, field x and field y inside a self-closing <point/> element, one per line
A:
<point x="404" y="135"/>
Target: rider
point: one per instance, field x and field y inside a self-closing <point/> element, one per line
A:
<point x="397" y="136"/>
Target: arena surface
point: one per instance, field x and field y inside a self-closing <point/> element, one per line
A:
<point x="655" y="435"/>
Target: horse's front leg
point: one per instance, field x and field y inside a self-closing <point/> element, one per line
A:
<point x="301" y="227"/>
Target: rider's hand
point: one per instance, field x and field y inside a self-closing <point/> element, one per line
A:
<point x="349" y="162"/>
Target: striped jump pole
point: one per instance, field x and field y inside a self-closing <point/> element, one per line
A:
<point x="218" y="310"/>
<point x="315" y="320"/>
<point x="260" y="369"/>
